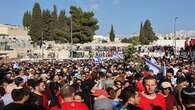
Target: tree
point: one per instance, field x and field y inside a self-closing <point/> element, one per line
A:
<point x="146" y="33"/>
<point x="27" y="19"/>
<point x="187" y="38"/>
<point x="128" y="55"/>
<point x="76" y="15"/>
<point x="63" y="21"/>
<point x="47" y="20"/>
<point x="62" y="33"/>
<point x="54" y="13"/>
<point x="89" y="26"/>
<point x="177" y="38"/>
<point x="133" y="40"/>
<point x="84" y="25"/>
<point x="53" y="25"/>
<point x="112" y="34"/>
<point x="131" y="56"/>
<point x="125" y="40"/>
<point x="142" y="37"/>
<point x="104" y="41"/>
<point x="36" y="25"/>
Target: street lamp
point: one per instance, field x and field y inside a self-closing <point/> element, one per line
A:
<point x="175" y="20"/>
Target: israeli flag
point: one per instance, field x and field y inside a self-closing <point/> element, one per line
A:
<point x="98" y="59"/>
<point x="16" y="66"/>
<point x="152" y="65"/>
<point x="117" y="56"/>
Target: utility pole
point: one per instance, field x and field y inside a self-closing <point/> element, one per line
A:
<point x="42" y="45"/>
<point x="71" y="40"/>
<point x="175" y="20"/>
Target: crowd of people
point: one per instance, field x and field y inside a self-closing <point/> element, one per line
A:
<point x="107" y="85"/>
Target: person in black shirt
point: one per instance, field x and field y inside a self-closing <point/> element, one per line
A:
<point x="37" y="96"/>
<point x="20" y="96"/>
<point x="130" y="98"/>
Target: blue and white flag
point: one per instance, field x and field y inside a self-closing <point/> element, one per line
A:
<point x="117" y="56"/>
<point x="152" y="66"/>
<point x="98" y="59"/>
<point x="16" y="66"/>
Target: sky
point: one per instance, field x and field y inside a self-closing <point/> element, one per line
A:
<point x="125" y="15"/>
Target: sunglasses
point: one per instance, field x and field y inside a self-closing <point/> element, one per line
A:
<point x="168" y="88"/>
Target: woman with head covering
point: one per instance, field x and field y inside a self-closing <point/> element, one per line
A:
<point x="167" y="90"/>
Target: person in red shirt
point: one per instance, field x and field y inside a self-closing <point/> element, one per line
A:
<point x="139" y="84"/>
<point x="67" y="93"/>
<point x="150" y="100"/>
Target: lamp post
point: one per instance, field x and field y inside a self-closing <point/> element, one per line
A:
<point x="41" y="45"/>
<point x="175" y="20"/>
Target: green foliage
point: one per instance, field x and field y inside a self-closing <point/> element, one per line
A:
<point x="54" y="13"/>
<point x="187" y="38"/>
<point x="47" y="24"/>
<point x="133" y="40"/>
<point x="131" y="49"/>
<point x="125" y="40"/>
<point x="104" y="41"/>
<point x="54" y="24"/>
<point x="51" y="27"/>
<point x="142" y="38"/>
<point x="177" y="38"/>
<point x="112" y="34"/>
<point x="63" y="21"/>
<point x="36" y="24"/>
<point x="63" y="29"/>
<point x="84" y="25"/>
<point x="27" y="19"/>
<point x="4" y="35"/>
<point x="146" y="33"/>
<point x="130" y="56"/>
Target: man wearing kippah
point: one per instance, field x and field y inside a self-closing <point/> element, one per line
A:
<point x="188" y="98"/>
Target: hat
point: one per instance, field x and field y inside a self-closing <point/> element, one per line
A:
<point x="166" y="85"/>
<point x="100" y="92"/>
<point x="78" y="76"/>
<point x="188" y="95"/>
<point x="103" y="71"/>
